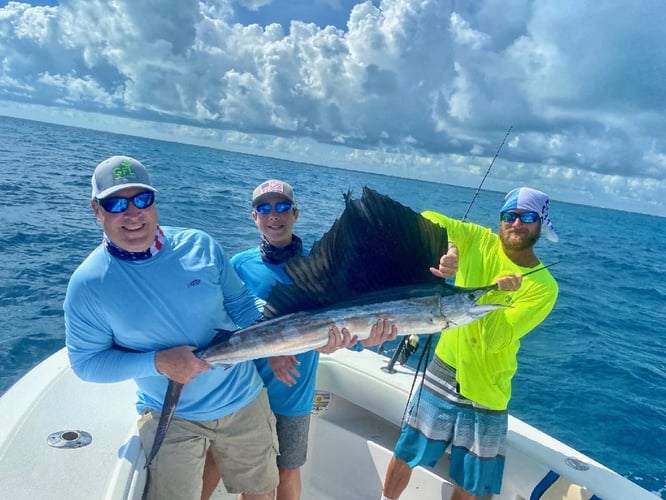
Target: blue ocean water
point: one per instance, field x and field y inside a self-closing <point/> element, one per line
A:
<point x="593" y="375"/>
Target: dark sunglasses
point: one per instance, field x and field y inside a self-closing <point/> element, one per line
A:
<point x="118" y="204"/>
<point x="525" y="217"/>
<point x="280" y="207"/>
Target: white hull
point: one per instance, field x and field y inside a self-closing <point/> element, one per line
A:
<point x="350" y="443"/>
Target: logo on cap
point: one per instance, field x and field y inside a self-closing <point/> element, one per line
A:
<point x="124" y="170"/>
<point x="272" y="187"/>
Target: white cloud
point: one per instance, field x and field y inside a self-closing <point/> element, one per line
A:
<point x="430" y="83"/>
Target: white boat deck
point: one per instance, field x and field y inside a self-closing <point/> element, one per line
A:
<point x="50" y="398"/>
<point x="350" y="444"/>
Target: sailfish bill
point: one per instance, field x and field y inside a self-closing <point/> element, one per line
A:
<point x="372" y="263"/>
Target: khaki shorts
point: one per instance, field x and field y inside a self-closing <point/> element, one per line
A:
<point x="244" y="445"/>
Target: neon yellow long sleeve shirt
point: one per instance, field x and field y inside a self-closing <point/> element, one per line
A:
<point x="484" y="353"/>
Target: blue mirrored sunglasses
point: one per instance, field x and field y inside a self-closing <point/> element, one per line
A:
<point x="525" y="217"/>
<point x="118" y="204"/>
<point x="280" y="207"/>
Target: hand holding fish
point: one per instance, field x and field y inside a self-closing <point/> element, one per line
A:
<point x="448" y="263"/>
<point x="337" y="339"/>
<point x="284" y="368"/>
<point x="509" y="283"/>
<point x="179" y="364"/>
<point x="382" y="331"/>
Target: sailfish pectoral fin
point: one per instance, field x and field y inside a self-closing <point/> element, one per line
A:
<point x="168" y="408"/>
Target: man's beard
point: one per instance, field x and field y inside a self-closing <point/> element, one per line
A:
<point x="522" y="244"/>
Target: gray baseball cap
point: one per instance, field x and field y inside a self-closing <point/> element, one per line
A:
<point x="116" y="173"/>
<point x="272" y="187"/>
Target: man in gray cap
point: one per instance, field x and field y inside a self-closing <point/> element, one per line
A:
<point x="137" y="307"/>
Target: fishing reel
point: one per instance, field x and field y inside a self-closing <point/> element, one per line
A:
<point x="407" y="346"/>
<point x="410" y="345"/>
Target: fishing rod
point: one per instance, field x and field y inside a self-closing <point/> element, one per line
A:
<point x="541" y="268"/>
<point x="478" y="189"/>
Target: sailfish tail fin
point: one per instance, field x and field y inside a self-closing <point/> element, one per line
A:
<point x="375" y="244"/>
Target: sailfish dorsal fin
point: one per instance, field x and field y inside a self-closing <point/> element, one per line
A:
<point x="375" y="244"/>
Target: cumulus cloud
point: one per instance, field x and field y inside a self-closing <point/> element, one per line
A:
<point x="432" y="82"/>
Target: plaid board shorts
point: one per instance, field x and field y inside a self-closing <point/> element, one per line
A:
<point x="439" y="416"/>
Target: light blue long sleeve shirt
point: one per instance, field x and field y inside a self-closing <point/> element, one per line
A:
<point x="177" y="297"/>
<point x="297" y="400"/>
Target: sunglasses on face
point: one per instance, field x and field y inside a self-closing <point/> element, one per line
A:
<point x="525" y="217"/>
<point x="280" y="207"/>
<point x="118" y="204"/>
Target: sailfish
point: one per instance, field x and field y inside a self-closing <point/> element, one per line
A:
<point x="372" y="263"/>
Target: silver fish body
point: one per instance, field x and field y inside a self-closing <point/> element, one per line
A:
<point x="415" y="310"/>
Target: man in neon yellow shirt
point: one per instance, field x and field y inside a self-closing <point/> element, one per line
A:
<point x="464" y="397"/>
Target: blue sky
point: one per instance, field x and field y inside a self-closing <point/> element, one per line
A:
<point x="416" y="88"/>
